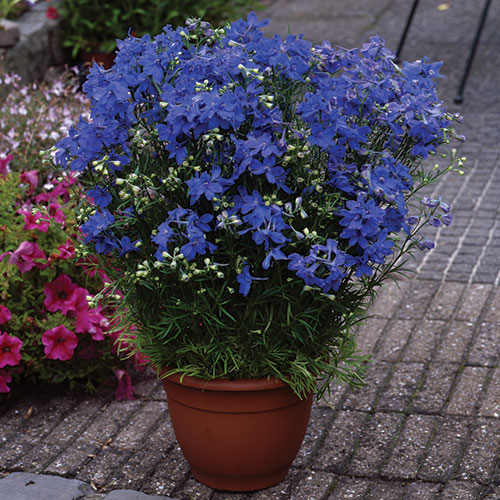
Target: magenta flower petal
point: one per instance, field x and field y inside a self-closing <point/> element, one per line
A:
<point x="60" y="343"/>
<point x="23" y="257"/>
<point x="30" y="177"/>
<point x="4" y="380"/>
<point x="10" y="350"/>
<point x="5" y="314"/>
<point x="59" y="294"/>
<point x="124" y="389"/>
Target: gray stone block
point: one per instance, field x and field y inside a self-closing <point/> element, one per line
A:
<point x="9" y="33"/>
<point x="24" y="486"/>
<point x="38" y="47"/>
<point x="131" y="495"/>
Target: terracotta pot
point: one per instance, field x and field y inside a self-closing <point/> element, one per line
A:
<point x="105" y="59"/>
<point x="237" y="435"/>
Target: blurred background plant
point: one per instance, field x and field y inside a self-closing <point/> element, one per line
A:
<point x="48" y="331"/>
<point x="94" y="26"/>
<point x="33" y="116"/>
<point x="11" y="9"/>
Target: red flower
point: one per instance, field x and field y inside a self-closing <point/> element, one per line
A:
<point x="52" y="13"/>
<point x="24" y="256"/>
<point x="4" y="380"/>
<point x="5" y="315"/>
<point x="10" y="350"/>
<point x="59" y="343"/>
<point x="59" y="294"/>
<point x="124" y="389"/>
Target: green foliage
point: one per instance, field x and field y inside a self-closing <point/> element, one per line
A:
<point x="10" y="9"/>
<point x="92" y="25"/>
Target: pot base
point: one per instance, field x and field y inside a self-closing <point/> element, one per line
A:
<point x="239" y="483"/>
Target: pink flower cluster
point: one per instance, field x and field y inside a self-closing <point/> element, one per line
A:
<point x="60" y="332"/>
<point x="10" y="350"/>
<point x="28" y="254"/>
<point x="63" y="295"/>
<point x="83" y="326"/>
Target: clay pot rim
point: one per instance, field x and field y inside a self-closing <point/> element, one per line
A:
<point x="224" y="384"/>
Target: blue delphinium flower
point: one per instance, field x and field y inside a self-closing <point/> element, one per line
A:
<point x="245" y="280"/>
<point x="220" y="143"/>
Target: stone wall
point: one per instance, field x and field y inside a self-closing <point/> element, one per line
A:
<point x="39" y="47"/>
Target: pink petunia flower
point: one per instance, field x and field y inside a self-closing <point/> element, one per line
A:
<point x="5" y="314"/>
<point x="87" y="319"/>
<point x="34" y="220"/>
<point x="4" y="165"/>
<point x="30" y="177"/>
<point x="55" y="212"/>
<point x="4" y="380"/>
<point x="24" y="256"/>
<point x="79" y="308"/>
<point x="124" y="389"/>
<point x="59" y="294"/>
<point x="66" y="250"/>
<point x="60" y="343"/>
<point x="10" y="350"/>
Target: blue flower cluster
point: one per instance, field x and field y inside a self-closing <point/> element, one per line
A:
<point x="258" y="153"/>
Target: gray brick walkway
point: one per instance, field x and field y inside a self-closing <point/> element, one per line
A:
<point x="427" y="426"/>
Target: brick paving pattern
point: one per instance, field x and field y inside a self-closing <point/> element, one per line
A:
<point x="427" y="425"/>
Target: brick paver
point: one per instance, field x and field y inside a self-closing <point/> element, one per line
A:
<point x="427" y="425"/>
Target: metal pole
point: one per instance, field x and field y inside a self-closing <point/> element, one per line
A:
<point x="405" y="31"/>
<point x="460" y="97"/>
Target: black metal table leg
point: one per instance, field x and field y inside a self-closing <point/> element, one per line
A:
<point x="405" y="31"/>
<point x="459" y="98"/>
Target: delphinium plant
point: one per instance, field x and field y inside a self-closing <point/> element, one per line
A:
<point x="249" y="195"/>
<point x="48" y="331"/>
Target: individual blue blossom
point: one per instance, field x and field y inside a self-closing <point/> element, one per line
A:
<point x="245" y="280"/>
<point x="446" y="219"/>
<point x="206" y="185"/>
<point x="97" y="224"/>
<point x="425" y="244"/>
<point x="434" y="221"/>
<point x="164" y="234"/>
<point x="127" y="246"/>
<point x="273" y="254"/>
<point x="305" y="268"/>
<point x="361" y="219"/>
<point x="197" y="244"/>
<point x="101" y="196"/>
<point x="97" y="230"/>
<point x="379" y="248"/>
